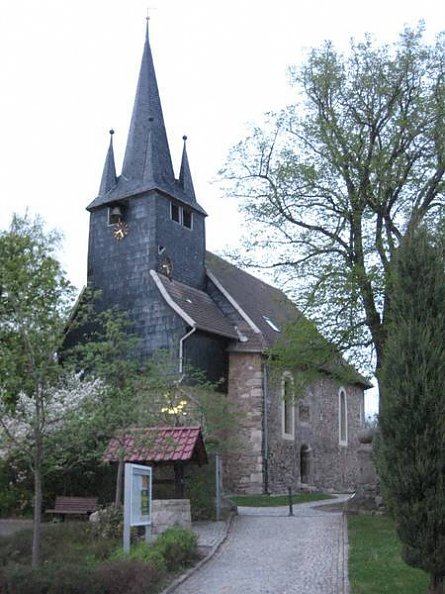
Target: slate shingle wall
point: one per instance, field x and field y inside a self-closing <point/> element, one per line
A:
<point x="185" y="247"/>
<point x="121" y="270"/>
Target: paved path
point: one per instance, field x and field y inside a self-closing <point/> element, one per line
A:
<point x="268" y="552"/>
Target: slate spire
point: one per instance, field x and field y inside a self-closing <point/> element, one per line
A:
<point x="147" y="155"/>
<point x="109" y="178"/>
<point x="185" y="176"/>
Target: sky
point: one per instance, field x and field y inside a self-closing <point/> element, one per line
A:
<point x="68" y="73"/>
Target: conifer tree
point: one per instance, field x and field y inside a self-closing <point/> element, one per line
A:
<point x="411" y="453"/>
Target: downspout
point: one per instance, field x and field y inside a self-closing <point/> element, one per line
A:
<point x="265" y="429"/>
<point x="181" y="348"/>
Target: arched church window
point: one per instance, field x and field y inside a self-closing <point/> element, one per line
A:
<point x="288" y="409"/>
<point x="342" y="417"/>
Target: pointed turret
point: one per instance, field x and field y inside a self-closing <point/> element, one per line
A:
<point x="109" y="178"/>
<point x="185" y="176"/>
<point x="147" y="156"/>
<point x="147" y="162"/>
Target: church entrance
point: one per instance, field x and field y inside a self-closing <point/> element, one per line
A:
<point x="305" y="464"/>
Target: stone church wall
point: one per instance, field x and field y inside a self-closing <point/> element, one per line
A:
<point x="313" y="455"/>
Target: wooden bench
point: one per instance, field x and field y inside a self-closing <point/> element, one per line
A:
<point x="74" y="506"/>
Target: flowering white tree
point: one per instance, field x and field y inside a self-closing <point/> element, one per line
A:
<point x="63" y="408"/>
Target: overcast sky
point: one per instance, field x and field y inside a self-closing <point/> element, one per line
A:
<point x="68" y="74"/>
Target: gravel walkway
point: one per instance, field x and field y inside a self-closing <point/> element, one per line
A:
<point x="268" y="552"/>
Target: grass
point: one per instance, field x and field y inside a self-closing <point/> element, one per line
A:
<point x="276" y="500"/>
<point x="75" y="560"/>
<point x="375" y="564"/>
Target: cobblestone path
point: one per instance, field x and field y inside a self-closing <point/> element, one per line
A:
<point x="277" y="554"/>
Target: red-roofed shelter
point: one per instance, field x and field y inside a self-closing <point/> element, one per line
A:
<point x="160" y="445"/>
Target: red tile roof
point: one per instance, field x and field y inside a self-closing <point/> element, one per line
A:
<point x="158" y="444"/>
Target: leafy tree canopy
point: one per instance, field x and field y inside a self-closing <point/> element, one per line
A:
<point x="331" y="184"/>
<point x="35" y="298"/>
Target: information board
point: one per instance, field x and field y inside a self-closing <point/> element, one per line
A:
<point x="137" y="499"/>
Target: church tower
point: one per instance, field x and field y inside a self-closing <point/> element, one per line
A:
<point x="146" y="220"/>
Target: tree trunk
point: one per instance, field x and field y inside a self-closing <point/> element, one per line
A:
<point x="119" y="477"/>
<point x="436" y="585"/>
<point x="37" y="524"/>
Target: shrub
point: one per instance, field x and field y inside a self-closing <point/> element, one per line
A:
<point x="178" y="546"/>
<point x="145" y="552"/>
<point x="100" y="549"/>
<point x="126" y="576"/>
<point x="201" y="492"/>
<point x="48" y="579"/>
<point x="16" y="548"/>
<point x="108" y="522"/>
<point x="67" y="542"/>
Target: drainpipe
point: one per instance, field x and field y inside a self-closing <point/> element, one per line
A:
<point x="265" y="429"/>
<point x="181" y="348"/>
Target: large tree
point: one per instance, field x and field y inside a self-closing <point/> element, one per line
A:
<point x="34" y="300"/>
<point x="331" y="184"/>
<point x="411" y="445"/>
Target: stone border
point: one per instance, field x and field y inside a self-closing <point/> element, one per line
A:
<point x="184" y="576"/>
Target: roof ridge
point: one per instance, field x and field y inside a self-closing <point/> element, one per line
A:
<point x="252" y="276"/>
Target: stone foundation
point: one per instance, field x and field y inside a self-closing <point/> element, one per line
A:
<point x="167" y="513"/>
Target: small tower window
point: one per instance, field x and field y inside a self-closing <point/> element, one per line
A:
<point x="187" y="218"/>
<point x="175" y="212"/>
<point x="181" y="215"/>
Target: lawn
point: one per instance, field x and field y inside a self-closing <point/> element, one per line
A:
<point x="276" y="500"/>
<point x="375" y="564"/>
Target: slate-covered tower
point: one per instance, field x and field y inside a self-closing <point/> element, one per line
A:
<point x="146" y="220"/>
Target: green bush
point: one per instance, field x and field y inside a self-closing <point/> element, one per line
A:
<point x="178" y="546"/>
<point x="142" y="551"/>
<point x="201" y="492"/>
<point x="109" y="522"/>
<point x="49" y="579"/>
<point x="16" y="548"/>
<point x="126" y="576"/>
<point x="66" y="542"/>
<point x="16" y="488"/>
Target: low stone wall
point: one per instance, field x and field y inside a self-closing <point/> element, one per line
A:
<point x="170" y="512"/>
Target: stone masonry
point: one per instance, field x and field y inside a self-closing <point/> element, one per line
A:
<point x="312" y="455"/>
<point x="167" y="513"/>
<point x="243" y="472"/>
<point x="315" y="441"/>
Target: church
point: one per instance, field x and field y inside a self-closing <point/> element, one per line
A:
<point x="147" y="255"/>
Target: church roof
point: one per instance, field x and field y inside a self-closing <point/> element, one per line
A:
<point x="194" y="306"/>
<point x="147" y="155"/>
<point x="266" y="308"/>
